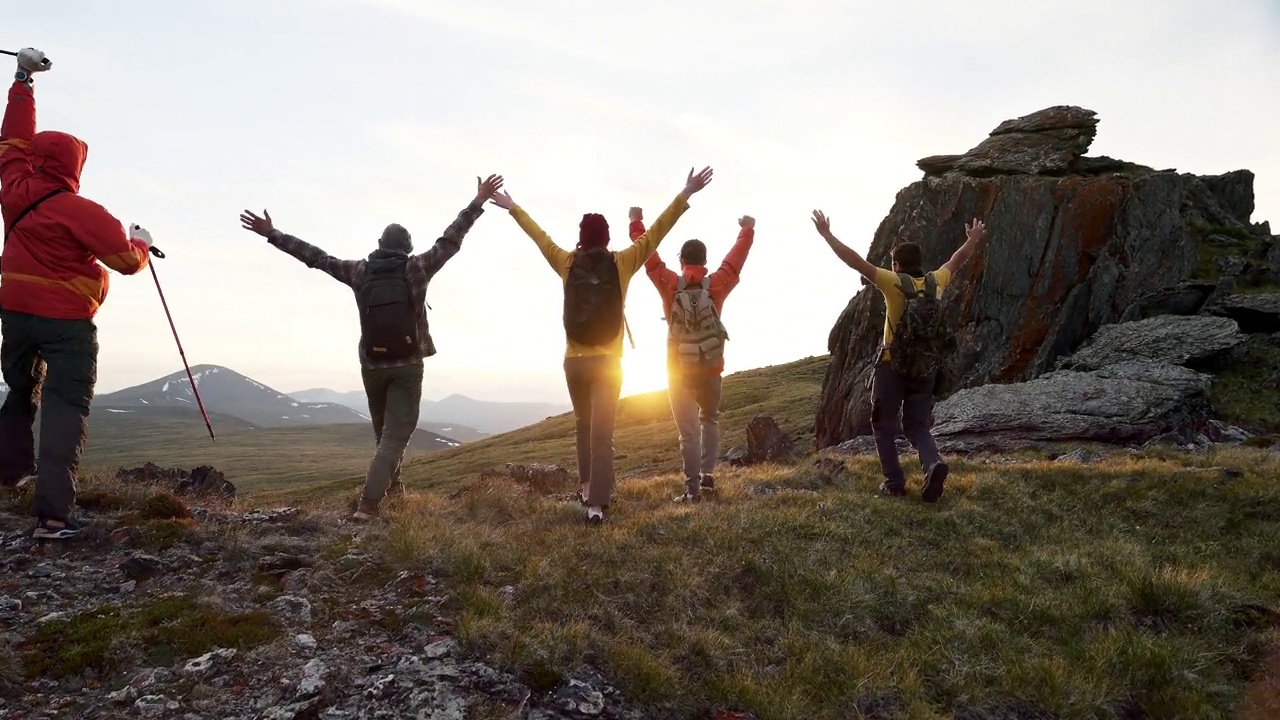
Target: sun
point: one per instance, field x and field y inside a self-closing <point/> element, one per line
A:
<point x="643" y="372"/>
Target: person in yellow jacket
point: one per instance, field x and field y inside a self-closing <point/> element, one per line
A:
<point x="595" y="285"/>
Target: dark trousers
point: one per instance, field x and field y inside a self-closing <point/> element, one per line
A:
<point x="50" y="365"/>
<point x="594" y="386"/>
<point x="900" y="405"/>
<point x="395" y="397"/>
<point x="695" y="406"/>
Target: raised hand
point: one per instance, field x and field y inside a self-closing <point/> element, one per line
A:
<point x="137" y="232"/>
<point x="503" y="200"/>
<point x="635" y="214"/>
<point x="822" y="223"/>
<point x="260" y="225"/>
<point x="694" y="183"/>
<point x="746" y="221"/>
<point x="486" y="189"/>
<point x="974" y="232"/>
<point x="33" y="61"/>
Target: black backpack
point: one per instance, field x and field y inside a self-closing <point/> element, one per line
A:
<point x="388" y="318"/>
<point x="593" y="298"/>
<point x="924" y="340"/>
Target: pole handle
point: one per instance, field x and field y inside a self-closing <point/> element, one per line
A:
<point x="156" y="251"/>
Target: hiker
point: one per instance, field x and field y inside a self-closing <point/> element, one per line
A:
<point x="51" y="288"/>
<point x="918" y="340"/>
<point x="390" y="287"/>
<point x="595" y="285"/>
<point x="692" y="302"/>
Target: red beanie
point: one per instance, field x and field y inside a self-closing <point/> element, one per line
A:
<point x="593" y="232"/>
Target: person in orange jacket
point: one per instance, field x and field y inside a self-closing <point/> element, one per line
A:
<point x="51" y="287"/>
<point x="692" y="302"/>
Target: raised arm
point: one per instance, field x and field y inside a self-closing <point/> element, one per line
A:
<point x="731" y="268"/>
<point x="556" y="256"/>
<point x="842" y="251"/>
<point x="634" y="256"/>
<point x="450" y="242"/>
<point x="662" y="277"/>
<point x="313" y="257"/>
<point x="974" y="235"/>
<point x="19" y="126"/>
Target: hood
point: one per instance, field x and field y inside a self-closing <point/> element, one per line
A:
<point x="59" y="157"/>
<point x="693" y="274"/>
<point x="380" y="260"/>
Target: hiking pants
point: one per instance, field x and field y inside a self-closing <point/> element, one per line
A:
<point x="901" y="404"/>
<point x="59" y="360"/>
<point x="594" y="385"/>
<point x="695" y="405"/>
<point x="395" y="396"/>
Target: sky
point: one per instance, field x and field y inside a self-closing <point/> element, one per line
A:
<point x="341" y="116"/>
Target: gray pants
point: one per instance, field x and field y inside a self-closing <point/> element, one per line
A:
<point x="901" y="404"/>
<point x="67" y="352"/>
<point x="594" y="385"/>
<point x="395" y="396"/>
<point x="695" y="405"/>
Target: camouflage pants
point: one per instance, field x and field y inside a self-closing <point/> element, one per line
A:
<point x="56" y="359"/>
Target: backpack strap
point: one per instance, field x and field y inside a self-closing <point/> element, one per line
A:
<point x="907" y="285"/>
<point x="931" y="286"/>
<point x="681" y="284"/>
<point x="28" y="209"/>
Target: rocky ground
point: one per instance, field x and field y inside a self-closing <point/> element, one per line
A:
<point x="167" y="611"/>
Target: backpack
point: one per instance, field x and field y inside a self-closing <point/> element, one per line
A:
<point x="388" y="319"/>
<point x="695" y="332"/>
<point x="924" y="339"/>
<point x="593" y="298"/>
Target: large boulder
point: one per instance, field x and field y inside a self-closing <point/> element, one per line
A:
<point x="1256" y="313"/>
<point x="1196" y="341"/>
<point x="1074" y="243"/>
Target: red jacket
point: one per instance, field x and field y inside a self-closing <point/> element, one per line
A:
<point x="723" y="280"/>
<point x="49" y="266"/>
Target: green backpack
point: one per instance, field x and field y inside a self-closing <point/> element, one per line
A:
<point x="695" y="332"/>
<point x="924" y="339"/>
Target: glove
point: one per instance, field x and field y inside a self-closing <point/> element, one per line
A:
<point x="33" y="60"/>
<point x="137" y="232"/>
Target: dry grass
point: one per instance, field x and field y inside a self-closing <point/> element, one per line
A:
<point x="1138" y="584"/>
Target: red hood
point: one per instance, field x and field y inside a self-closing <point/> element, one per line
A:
<point x="693" y="274"/>
<point x="59" y="157"/>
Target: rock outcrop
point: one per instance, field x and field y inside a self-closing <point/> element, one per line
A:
<point x="1074" y="244"/>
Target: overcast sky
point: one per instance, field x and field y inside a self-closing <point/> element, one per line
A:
<point x="340" y="116"/>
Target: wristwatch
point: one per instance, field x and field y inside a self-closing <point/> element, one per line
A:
<point x="22" y="76"/>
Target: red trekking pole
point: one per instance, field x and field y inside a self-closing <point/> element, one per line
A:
<point x="156" y="251"/>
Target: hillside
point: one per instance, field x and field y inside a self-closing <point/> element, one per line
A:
<point x="467" y="418"/>
<point x="225" y="391"/>
<point x="289" y="461"/>
<point x="356" y="400"/>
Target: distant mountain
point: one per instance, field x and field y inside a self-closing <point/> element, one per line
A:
<point x="457" y="416"/>
<point x="228" y="392"/>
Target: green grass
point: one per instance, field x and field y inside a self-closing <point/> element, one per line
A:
<point x="645" y="438"/>
<point x="159" y="634"/>
<point x="1141" y="582"/>
<point x="1241" y="396"/>
<point x="289" y="461"/>
<point x="1239" y="241"/>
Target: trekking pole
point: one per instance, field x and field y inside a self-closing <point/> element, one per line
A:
<point x="158" y="253"/>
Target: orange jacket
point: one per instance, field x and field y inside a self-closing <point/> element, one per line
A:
<point x="49" y="266"/>
<point x="723" y="280"/>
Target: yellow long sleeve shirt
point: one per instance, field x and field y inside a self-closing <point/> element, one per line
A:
<point x="629" y="262"/>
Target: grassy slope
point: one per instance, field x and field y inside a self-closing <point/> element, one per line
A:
<point x="1085" y="591"/>
<point x="285" y="461"/>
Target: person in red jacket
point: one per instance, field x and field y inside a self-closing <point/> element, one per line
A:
<point x="51" y="286"/>
<point x="695" y="346"/>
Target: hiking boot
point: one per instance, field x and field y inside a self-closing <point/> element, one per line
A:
<point x="368" y="510"/>
<point x="595" y="515"/>
<point x="53" y="529"/>
<point x="933" y="482"/>
<point x="689" y="497"/>
<point x="708" y="483"/>
<point x="888" y="490"/>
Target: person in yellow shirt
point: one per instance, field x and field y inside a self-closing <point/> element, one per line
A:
<point x="902" y="392"/>
<point x="595" y="282"/>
